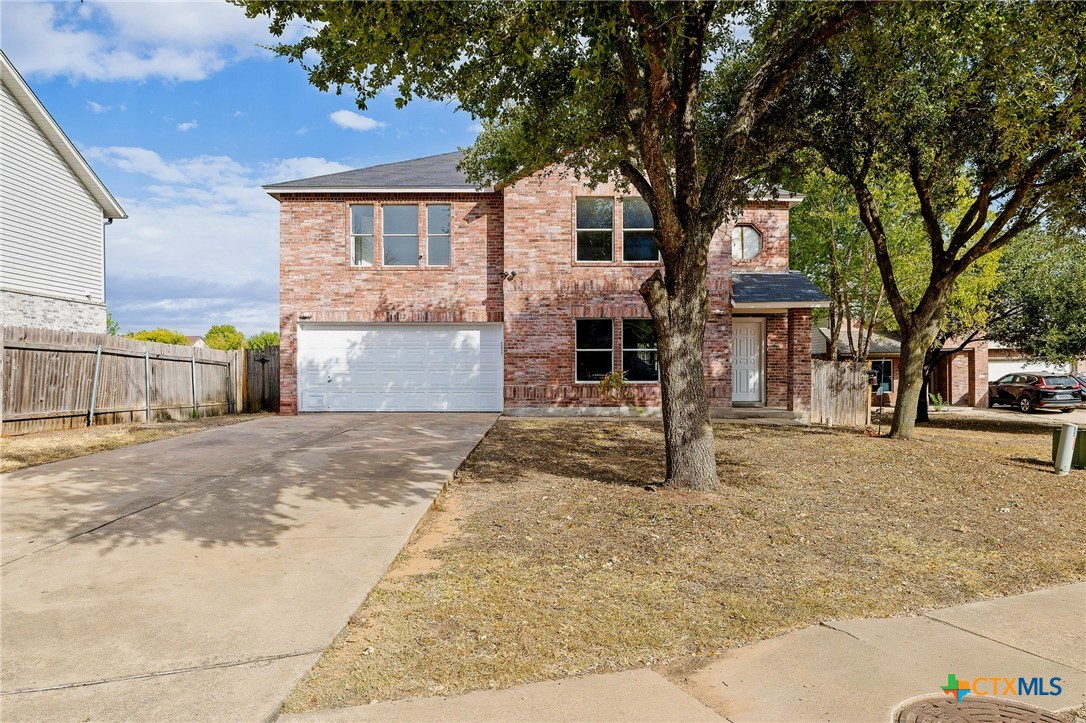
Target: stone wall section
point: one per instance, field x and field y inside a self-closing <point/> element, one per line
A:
<point x="42" y="311"/>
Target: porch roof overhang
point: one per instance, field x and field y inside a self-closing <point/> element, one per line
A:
<point x="774" y="291"/>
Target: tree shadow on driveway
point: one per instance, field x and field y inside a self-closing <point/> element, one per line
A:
<point x="247" y="484"/>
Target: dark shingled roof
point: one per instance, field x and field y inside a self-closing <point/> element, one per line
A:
<point x="438" y="172"/>
<point x="751" y="287"/>
<point x="882" y="342"/>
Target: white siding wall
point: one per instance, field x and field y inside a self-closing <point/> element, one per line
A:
<point x="50" y="225"/>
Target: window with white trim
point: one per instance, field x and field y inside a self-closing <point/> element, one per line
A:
<point x="638" y="243"/>
<point x="438" y="234"/>
<point x="594" y="354"/>
<point x="362" y="235"/>
<point x="400" y="235"/>
<point x="746" y="242"/>
<point x="595" y="228"/>
<point x="640" y="360"/>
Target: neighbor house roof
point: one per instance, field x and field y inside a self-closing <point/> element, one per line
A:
<point x="766" y="289"/>
<point x="52" y="132"/>
<point x="882" y="342"/>
<point x="430" y="174"/>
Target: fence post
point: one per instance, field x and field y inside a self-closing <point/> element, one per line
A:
<point x="94" y="386"/>
<point x="195" y="404"/>
<point x="147" y="382"/>
<point x="230" y="383"/>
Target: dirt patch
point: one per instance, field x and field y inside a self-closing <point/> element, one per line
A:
<point x="570" y="560"/>
<point x="30" y="450"/>
<point x="441" y="524"/>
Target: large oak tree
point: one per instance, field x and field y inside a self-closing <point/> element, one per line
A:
<point x="982" y="106"/>
<point x="667" y="95"/>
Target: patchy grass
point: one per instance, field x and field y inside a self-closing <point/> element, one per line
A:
<point x="30" y="450"/>
<point x="561" y="556"/>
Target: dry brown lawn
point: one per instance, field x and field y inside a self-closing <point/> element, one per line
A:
<point x="30" y="450"/>
<point x="555" y="553"/>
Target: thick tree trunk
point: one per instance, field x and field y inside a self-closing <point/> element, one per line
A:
<point x="910" y="387"/>
<point x="679" y="311"/>
<point x="915" y="343"/>
<point x="922" y="403"/>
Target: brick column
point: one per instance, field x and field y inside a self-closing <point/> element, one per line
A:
<point x="799" y="360"/>
<point x="978" y="374"/>
<point x="288" y="370"/>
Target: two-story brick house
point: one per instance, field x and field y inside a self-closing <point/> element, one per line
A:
<point x="404" y="288"/>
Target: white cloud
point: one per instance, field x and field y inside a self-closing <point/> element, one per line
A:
<point x="476" y="128"/>
<point x="355" y="121"/>
<point x="200" y="246"/>
<point x="292" y="169"/>
<point x="187" y="126"/>
<point x="96" y="107"/>
<point x="174" y="41"/>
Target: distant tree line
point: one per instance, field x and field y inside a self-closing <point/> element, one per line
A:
<point x="224" y="337"/>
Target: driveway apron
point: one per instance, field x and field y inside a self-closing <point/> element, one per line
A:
<point x="199" y="577"/>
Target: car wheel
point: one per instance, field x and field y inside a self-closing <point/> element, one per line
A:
<point x="1025" y="403"/>
<point x="1067" y="411"/>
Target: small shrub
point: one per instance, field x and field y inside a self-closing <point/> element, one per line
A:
<point x="162" y="336"/>
<point x="937" y="401"/>
<point x="613" y="386"/>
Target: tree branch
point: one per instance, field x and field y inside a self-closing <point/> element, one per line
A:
<point x="687" y="186"/>
<point x="781" y="61"/>
<point x="927" y="212"/>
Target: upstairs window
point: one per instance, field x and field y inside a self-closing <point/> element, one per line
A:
<point x="362" y="235"/>
<point x="595" y="349"/>
<point x="400" y="238"/>
<point x="639" y="356"/>
<point x="438" y="238"/>
<point x="746" y="242"/>
<point x="637" y="228"/>
<point x="595" y="228"/>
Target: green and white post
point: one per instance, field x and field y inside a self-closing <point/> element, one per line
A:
<point x="1066" y="448"/>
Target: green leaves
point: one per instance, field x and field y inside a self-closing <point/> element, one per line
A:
<point x="1041" y="299"/>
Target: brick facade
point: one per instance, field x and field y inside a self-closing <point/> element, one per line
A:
<point x="514" y="261"/>
<point x="317" y="281"/>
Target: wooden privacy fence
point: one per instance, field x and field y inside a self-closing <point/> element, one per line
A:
<point x="262" y="380"/>
<point x="840" y="393"/>
<point x="60" y="379"/>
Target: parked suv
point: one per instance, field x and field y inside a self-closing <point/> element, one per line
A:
<point x="1030" y="391"/>
<point x="1080" y="377"/>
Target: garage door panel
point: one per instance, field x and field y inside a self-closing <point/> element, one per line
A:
<point x="1000" y="367"/>
<point x="390" y="367"/>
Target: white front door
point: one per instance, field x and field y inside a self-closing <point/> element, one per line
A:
<point x="400" y="367"/>
<point x="748" y="344"/>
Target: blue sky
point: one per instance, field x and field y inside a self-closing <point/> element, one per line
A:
<point x="184" y="116"/>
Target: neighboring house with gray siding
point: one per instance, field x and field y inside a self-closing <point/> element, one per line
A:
<point x="53" y="209"/>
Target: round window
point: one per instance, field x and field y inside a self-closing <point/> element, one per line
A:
<point x="746" y="242"/>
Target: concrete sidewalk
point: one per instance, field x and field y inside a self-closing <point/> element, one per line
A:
<point x="852" y="670"/>
<point x="200" y="577"/>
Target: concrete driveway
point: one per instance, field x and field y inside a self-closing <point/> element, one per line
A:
<point x="199" y="577"/>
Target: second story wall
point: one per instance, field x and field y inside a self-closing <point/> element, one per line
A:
<point x="770" y="219"/>
<point x="51" y="233"/>
<point x="541" y="238"/>
<point x="320" y="276"/>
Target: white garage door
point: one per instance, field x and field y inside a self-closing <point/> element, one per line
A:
<point x="400" y="368"/>
<point x="998" y="367"/>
